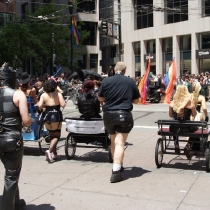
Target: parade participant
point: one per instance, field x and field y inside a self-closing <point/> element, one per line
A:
<point x="13" y="111"/>
<point x="118" y="92"/>
<point x="88" y="103"/>
<point x="29" y="91"/>
<point x="181" y="108"/>
<point x="200" y="102"/>
<point x="52" y="100"/>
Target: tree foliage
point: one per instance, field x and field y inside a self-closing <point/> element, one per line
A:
<point x="38" y="39"/>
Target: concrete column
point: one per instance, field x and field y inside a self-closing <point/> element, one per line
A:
<point x="158" y="17"/>
<point x="88" y="60"/>
<point x="176" y="54"/>
<point x="129" y="59"/>
<point x="159" y="56"/>
<point x="143" y="52"/>
<point x="195" y="46"/>
<point x="195" y="8"/>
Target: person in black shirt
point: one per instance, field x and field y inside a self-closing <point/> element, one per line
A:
<point x="118" y="92"/>
<point x="88" y="103"/>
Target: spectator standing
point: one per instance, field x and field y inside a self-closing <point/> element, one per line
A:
<point x="13" y="111"/>
<point x="118" y="92"/>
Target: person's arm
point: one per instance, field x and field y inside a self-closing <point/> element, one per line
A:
<point x="193" y="109"/>
<point x="135" y="101"/>
<point x="61" y="100"/>
<point x="101" y="99"/>
<point x="20" y="101"/>
<point x="40" y="104"/>
<point x="33" y="94"/>
<point x="203" y="105"/>
<point x="59" y="90"/>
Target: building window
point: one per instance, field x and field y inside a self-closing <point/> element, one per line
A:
<point x="34" y="5"/>
<point x="143" y="14"/>
<point x="113" y="52"/>
<point x="151" y="46"/>
<point x="92" y="28"/>
<point x="206" y="8"/>
<point x="167" y="48"/>
<point x="94" y="62"/>
<point x="185" y="54"/>
<point x="137" y="54"/>
<point x="176" y="16"/>
<point x="86" y="6"/>
<point x="204" y="41"/>
<point x="24" y="8"/>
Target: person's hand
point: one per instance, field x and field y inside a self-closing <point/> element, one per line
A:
<point x="207" y="119"/>
<point x="4" y="64"/>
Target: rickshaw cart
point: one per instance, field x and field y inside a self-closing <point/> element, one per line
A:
<point x="86" y="131"/>
<point x="163" y="143"/>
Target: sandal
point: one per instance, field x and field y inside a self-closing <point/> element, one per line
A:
<point x="187" y="152"/>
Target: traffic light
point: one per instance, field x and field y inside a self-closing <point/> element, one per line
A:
<point x="103" y="27"/>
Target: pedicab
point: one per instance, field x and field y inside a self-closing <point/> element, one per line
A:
<point x="163" y="145"/>
<point x="86" y="131"/>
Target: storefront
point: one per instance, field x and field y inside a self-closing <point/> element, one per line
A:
<point x="152" y="62"/>
<point x="204" y="59"/>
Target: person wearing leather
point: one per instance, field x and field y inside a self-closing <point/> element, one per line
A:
<point x="13" y="111"/>
<point x="51" y="100"/>
<point x="181" y="108"/>
<point x="88" y="103"/>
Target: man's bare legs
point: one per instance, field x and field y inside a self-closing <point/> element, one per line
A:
<point x="117" y="147"/>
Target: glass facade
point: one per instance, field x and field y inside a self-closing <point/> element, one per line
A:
<point x="204" y="41"/>
<point x="176" y="16"/>
<point x="151" y="47"/>
<point x="206" y="8"/>
<point x="93" y="62"/>
<point x="137" y="53"/>
<point x="185" y="53"/>
<point x="7" y="11"/>
<point x="143" y="14"/>
<point x="92" y="28"/>
<point x="86" y="6"/>
<point x="167" y="48"/>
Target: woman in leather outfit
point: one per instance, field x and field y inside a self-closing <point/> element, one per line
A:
<point x="181" y="108"/>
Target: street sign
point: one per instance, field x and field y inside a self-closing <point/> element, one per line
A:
<point x="109" y="29"/>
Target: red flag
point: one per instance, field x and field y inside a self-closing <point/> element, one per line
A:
<point x="144" y="83"/>
<point x="172" y="80"/>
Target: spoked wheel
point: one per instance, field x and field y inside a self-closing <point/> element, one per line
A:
<point x="207" y="160"/>
<point x="44" y="139"/>
<point x="70" y="147"/>
<point x="110" y="154"/>
<point x="159" y="153"/>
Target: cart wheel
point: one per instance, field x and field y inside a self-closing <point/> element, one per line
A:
<point x="70" y="147"/>
<point x="159" y="153"/>
<point x="44" y="138"/>
<point x="207" y="160"/>
<point x="110" y="154"/>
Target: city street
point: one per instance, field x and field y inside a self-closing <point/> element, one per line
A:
<point x="83" y="183"/>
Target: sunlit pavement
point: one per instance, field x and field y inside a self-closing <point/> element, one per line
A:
<point x="83" y="182"/>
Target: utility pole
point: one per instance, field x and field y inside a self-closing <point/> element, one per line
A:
<point x="70" y="3"/>
<point x="119" y="25"/>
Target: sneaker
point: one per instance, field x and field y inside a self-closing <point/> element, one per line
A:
<point x="48" y="156"/>
<point x="55" y="156"/>
<point x="116" y="177"/>
<point x="122" y="169"/>
<point x="21" y="205"/>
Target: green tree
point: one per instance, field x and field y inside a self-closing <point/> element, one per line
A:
<point x="39" y="38"/>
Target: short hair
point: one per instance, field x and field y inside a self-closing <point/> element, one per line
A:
<point x="50" y="86"/>
<point x="120" y="66"/>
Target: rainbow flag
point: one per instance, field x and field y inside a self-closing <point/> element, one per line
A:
<point x="75" y="30"/>
<point x="172" y="81"/>
<point x="144" y="84"/>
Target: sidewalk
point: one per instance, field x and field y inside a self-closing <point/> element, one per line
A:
<point x="83" y="183"/>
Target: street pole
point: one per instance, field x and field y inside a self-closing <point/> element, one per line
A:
<point x="119" y="25"/>
<point x="70" y="3"/>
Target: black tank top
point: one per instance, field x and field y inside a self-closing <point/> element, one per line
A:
<point x="186" y="115"/>
<point x="10" y="119"/>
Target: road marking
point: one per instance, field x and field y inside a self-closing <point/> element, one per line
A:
<point x="136" y="126"/>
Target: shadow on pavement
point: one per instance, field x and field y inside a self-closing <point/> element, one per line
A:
<point x="39" y="207"/>
<point x="94" y="156"/>
<point x="182" y="163"/>
<point x="133" y="172"/>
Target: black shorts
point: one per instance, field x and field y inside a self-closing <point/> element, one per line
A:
<point x="120" y="121"/>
